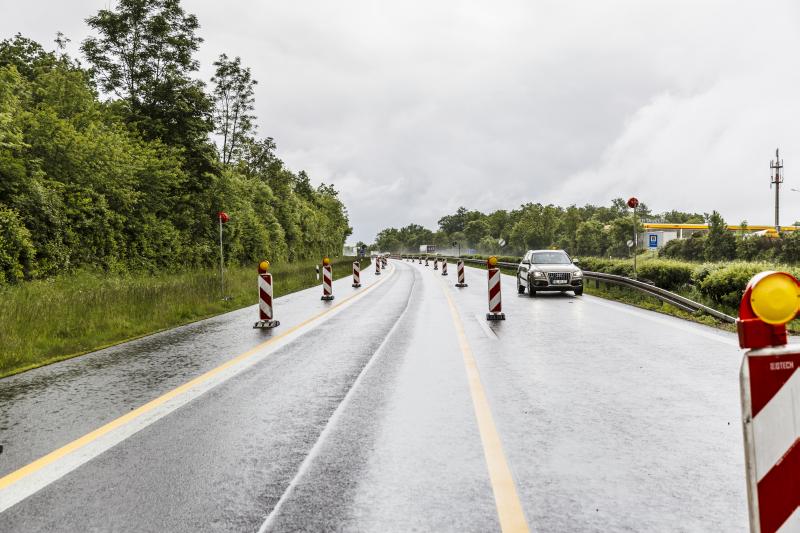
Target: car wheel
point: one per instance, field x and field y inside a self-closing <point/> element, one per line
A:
<point x="579" y="292"/>
<point x="531" y="292"/>
<point x="520" y="288"/>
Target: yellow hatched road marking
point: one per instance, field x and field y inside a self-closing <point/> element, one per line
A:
<point x="80" y="442"/>
<point x="509" y="508"/>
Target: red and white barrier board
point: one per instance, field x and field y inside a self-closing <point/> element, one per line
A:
<point x="356" y="274"/>
<point x="327" y="282"/>
<point x="495" y="301"/>
<point x="265" y="312"/>
<point x="770" y="382"/>
<point x="460" y="272"/>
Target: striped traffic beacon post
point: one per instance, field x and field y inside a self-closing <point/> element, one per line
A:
<point x="384" y="262"/>
<point x="420" y="260"/>
<point x="444" y="266"/>
<point x="460" y="272"/>
<point x="265" y="312"/>
<point x="356" y="274"/>
<point x="770" y="388"/>
<point x="426" y="260"/>
<point x="327" y="280"/>
<point x="377" y="267"/>
<point x="435" y="263"/>
<point x="495" y="302"/>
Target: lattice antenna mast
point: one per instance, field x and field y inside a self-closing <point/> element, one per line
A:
<point x="777" y="179"/>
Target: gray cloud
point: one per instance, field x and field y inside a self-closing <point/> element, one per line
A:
<point x="414" y="108"/>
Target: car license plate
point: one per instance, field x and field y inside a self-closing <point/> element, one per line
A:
<point x="559" y="281"/>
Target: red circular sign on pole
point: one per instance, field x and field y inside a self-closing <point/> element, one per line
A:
<point x="223" y="216"/>
<point x="633" y="202"/>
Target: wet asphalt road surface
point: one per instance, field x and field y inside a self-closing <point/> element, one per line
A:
<point x="362" y="419"/>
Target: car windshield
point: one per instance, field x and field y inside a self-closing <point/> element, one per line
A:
<point x="550" y="258"/>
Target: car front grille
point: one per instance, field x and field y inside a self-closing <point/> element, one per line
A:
<point x="553" y="276"/>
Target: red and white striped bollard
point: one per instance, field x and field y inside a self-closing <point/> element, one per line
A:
<point x="327" y="280"/>
<point x="356" y="274"/>
<point x="460" y="272"/>
<point x="265" y="312"/>
<point x="770" y="394"/>
<point x="444" y="266"/>
<point x="495" y="301"/>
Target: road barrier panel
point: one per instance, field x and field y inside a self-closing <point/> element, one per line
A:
<point x="444" y="267"/>
<point x="265" y="311"/>
<point x="327" y="280"/>
<point x="460" y="272"/>
<point x="770" y="396"/>
<point x="495" y="300"/>
<point x="356" y="274"/>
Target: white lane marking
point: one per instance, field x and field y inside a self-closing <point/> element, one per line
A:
<point x="486" y="329"/>
<point x="337" y="413"/>
<point x="30" y="483"/>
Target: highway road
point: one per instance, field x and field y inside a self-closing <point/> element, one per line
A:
<point x="396" y="407"/>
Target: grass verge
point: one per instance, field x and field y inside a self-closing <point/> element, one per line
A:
<point x="51" y="320"/>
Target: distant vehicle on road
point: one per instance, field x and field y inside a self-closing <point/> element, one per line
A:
<point x="549" y="270"/>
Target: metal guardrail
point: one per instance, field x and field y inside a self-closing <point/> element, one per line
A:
<point x="676" y="300"/>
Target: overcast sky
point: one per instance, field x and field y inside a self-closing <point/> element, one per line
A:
<point x="413" y="108"/>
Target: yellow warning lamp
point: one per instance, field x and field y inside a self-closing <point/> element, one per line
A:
<point x="263" y="267"/>
<point x="770" y="300"/>
<point x="775" y="297"/>
<point x="492" y="261"/>
<point x="326" y="261"/>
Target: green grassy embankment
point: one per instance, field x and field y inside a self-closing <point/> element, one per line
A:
<point x="51" y="320"/>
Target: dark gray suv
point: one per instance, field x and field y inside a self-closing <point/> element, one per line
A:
<point x="549" y="270"/>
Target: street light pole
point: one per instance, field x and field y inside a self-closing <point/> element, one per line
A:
<point x="633" y="203"/>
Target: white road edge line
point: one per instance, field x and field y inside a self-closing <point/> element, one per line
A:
<point x="486" y="329"/>
<point x="337" y="413"/>
<point x="36" y="481"/>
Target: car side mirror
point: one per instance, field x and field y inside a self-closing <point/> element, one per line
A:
<point x="576" y="261"/>
<point x="526" y="262"/>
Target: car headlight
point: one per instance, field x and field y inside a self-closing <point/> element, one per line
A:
<point x="577" y="274"/>
<point x="538" y="274"/>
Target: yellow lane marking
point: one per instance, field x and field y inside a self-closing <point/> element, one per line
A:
<point x="509" y="508"/>
<point x="79" y="443"/>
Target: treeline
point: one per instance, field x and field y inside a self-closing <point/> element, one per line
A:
<point x="589" y="231"/>
<point x="133" y="181"/>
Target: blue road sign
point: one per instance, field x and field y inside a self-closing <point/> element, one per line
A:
<point x="653" y="237"/>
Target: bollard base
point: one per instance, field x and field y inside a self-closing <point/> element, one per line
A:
<point x="327" y="298"/>
<point x="265" y="324"/>
<point x="495" y="316"/>
<point x="377" y="273"/>
<point x="444" y="273"/>
<point x="461" y="285"/>
<point x="356" y="285"/>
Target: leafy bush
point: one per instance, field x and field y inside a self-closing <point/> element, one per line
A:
<point x="668" y="275"/>
<point x="16" y="248"/>
<point x="725" y="285"/>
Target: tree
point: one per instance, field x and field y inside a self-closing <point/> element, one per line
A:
<point x="233" y="106"/>
<point x="144" y="55"/>
<point x="720" y="243"/>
